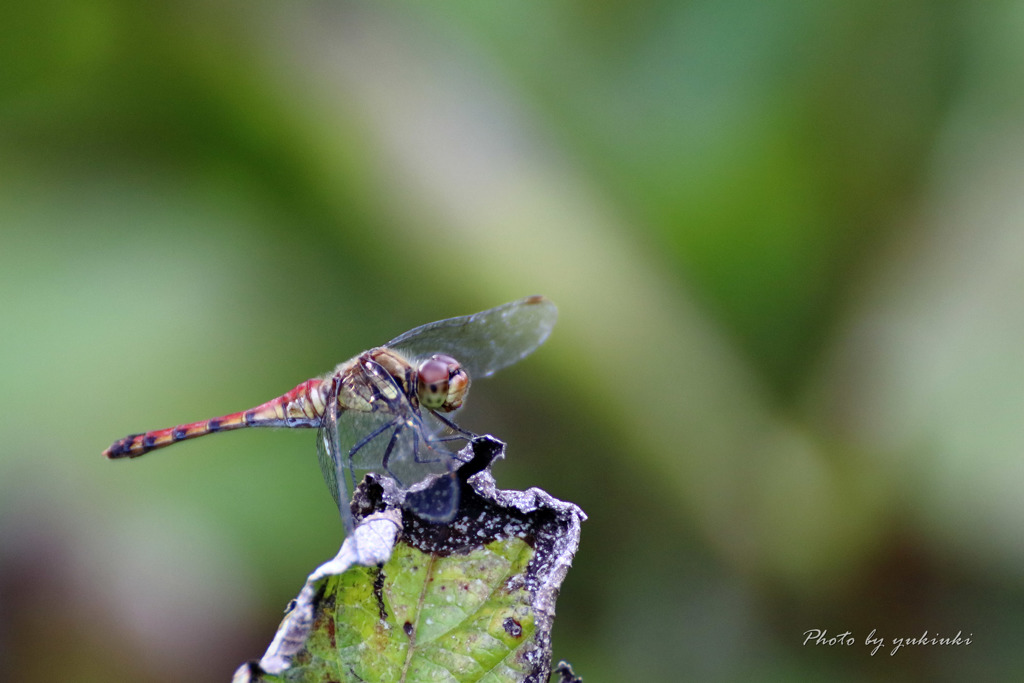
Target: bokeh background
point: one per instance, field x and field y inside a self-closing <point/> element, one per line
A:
<point x="787" y="244"/>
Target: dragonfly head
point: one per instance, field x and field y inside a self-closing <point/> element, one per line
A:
<point x="442" y="383"/>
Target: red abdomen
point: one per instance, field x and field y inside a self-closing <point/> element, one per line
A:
<point x="300" y="407"/>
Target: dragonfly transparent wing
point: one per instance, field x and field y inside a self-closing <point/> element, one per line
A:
<point x="393" y="439"/>
<point x="484" y="342"/>
<point x="328" y="445"/>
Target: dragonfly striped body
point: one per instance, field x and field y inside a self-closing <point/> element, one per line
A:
<point x="384" y="408"/>
<point x="303" y="406"/>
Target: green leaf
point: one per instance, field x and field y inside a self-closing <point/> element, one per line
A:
<point x="421" y="617"/>
<point x="470" y="601"/>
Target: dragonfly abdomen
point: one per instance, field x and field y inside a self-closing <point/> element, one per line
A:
<point x="135" y="445"/>
<point x="303" y="406"/>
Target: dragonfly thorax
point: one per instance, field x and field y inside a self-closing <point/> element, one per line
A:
<point x="436" y="383"/>
<point x="441" y="383"/>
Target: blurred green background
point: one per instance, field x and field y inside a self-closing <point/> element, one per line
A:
<point x="786" y="240"/>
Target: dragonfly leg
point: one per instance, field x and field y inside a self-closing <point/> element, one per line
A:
<point x="391" y="446"/>
<point x="443" y="454"/>
<point x="461" y="435"/>
<point x="367" y="439"/>
<point x="466" y="434"/>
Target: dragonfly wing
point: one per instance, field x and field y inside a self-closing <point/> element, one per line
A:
<point x="328" y="451"/>
<point x="484" y="342"/>
<point x="437" y="502"/>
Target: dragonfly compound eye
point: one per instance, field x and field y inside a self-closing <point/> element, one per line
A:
<point x="433" y="383"/>
<point x="451" y="385"/>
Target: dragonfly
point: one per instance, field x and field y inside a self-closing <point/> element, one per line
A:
<point x="389" y="408"/>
